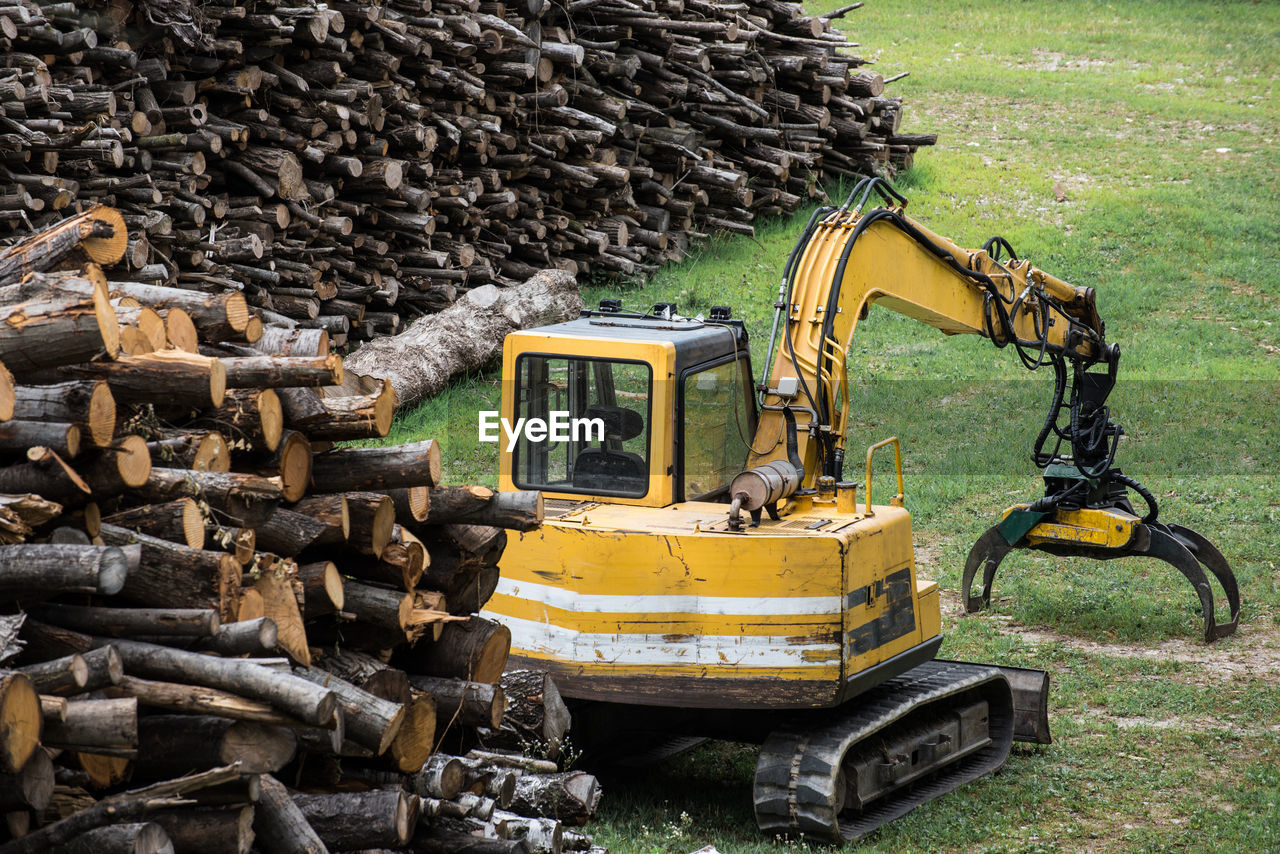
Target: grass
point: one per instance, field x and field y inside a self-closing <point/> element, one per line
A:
<point x="1157" y="124"/>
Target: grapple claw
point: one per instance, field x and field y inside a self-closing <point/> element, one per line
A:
<point x="1186" y="550"/>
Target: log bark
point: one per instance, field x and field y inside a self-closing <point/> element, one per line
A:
<point x="132" y="622"/>
<point x="107" y="727"/>
<point x="255" y="637"/>
<point x="367" y="673"/>
<point x="169" y="744"/>
<point x="461" y="702"/>
<point x="466" y="336"/>
<point x="536" y="717"/>
<point x="322" y="588"/>
<point x="280" y="825"/>
<point x="478" y="505"/>
<point x="174" y="575"/>
<point x="571" y="796"/>
<point x="129" y="838"/>
<point x="199" y="700"/>
<point x="87" y="404"/>
<point x="244" y="499"/>
<point x="356" y="820"/>
<point x="53" y="328"/>
<point x="287" y="693"/>
<point x="66" y="675"/>
<point x="119" y="808"/>
<point x="98" y="232"/>
<point x="357" y="469"/>
<point x="228" y="830"/>
<point x="179" y="521"/>
<point x="259" y="372"/>
<point x="49" y="568"/>
<point x="370" y="720"/>
<point x="29" y="788"/>
<point x="177" y="378"/>
<point x="475" y="649"/>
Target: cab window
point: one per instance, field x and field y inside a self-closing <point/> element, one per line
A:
<point x="597" y="415"/>
<point x="719" y="420"/>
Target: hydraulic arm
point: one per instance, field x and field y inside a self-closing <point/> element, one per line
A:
<point x="844" y="261"/>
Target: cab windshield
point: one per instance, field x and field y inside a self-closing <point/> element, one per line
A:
<point x="598" y="415"/>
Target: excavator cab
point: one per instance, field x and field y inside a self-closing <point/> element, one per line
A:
<point x="641" y="408"/>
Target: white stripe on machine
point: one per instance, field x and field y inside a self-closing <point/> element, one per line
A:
<point x="597" y="603"/>
<point x="553" y="641"/>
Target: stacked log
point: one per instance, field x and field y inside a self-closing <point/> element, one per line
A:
<point x="345" y="166"/>
<point x="204" y="599"/>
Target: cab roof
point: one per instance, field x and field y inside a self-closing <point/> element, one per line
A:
<point x="695" y="341"/>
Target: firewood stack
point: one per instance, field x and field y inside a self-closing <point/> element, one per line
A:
<point x="347" y="165"/>
<point x="215" y="627"/>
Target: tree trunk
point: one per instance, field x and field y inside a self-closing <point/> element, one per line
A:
<point x="354" y="469"/>
<point x="29" y="788"/>
<point x="255" y="637"/>
<point x="88" y="404"/>
<point x="49" y="568"/>
<point x="462" y="702"/>
<point x="199" y="700"/>
<point x="179" y="521"/>
<point x="475" y="649"/>
<point x="466" y="336"/>
<point x="323" y="591"/>
<point x="333" y="511"/>
<point x="177" y="378"/>
<point x="287" y="693"/>
<point x="129" y="838"/>
<point x="536" y="717"/>
<point x="372" y="518"/>
<point x="17" y="436"/>
<point x="355" y="820"/>
<point x="55" y="328"/>
<point x="175" y="575"/>
<point x="201" y="450"/>
<point x="417" y="736"/>
<point x="288" y="532"/>
<point x="280" y="825"/>
<point x="132" y="622"/>
<point x="282" y="371"/>
<point x="170" y="744"/>
<point x="99" y="232"/>
<point x="209" y="831"/>
<point x="338" y="419"/>
<point x="478" y="505"/>
<point x="440" y="776"/>
<point x="571" y="796"/>
<point x="367" y="673"/>
<point x="66" y="675"/>
<point x="247" y="499"/>
<point x="97" y="726"/>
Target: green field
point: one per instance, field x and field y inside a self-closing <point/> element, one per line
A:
<point x="1128" y="146"/>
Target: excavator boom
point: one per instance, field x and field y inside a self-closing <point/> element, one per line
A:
<point x="845" y="261"/>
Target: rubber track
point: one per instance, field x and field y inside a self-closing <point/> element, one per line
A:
<point x="799" y="769"/>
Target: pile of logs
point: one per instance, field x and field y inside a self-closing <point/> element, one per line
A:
<point x="216" y="627"/>
<point x="346" y="165"/>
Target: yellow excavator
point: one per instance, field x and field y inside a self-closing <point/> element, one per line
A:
<point x="707" y="570"/>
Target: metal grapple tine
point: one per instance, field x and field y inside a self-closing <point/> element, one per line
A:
<point x="987" y="552"/>
<point x="1166" y="546"/>
<point x="1213" y="560"/>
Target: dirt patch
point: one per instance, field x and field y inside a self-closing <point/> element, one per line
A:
<point x="1252" y="653"/>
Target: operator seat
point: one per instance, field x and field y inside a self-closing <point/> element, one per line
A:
<point x="605" y="470"/>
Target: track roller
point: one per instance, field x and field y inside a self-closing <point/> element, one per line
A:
<point x="903" y="743"/>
